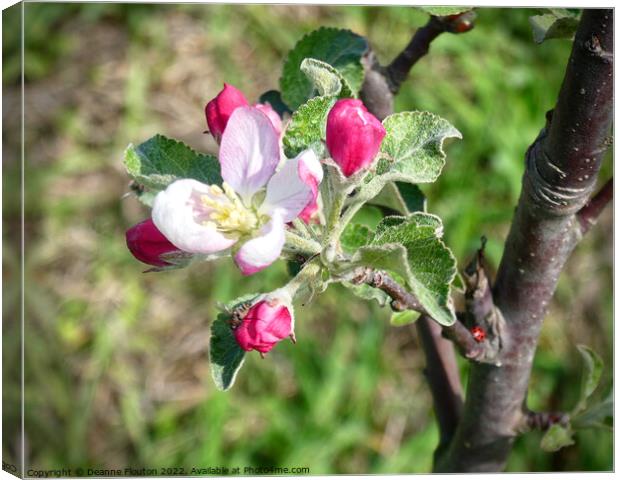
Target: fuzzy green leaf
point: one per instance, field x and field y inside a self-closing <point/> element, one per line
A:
<point x="430" y="266"/>
<point x="159" y="161"/>
<point x="355" y="236"/>
<point x="367" y="292"/>
<point x="325" y="78"/>
<point x="225" y="355"/>
<point x="558" y="23"/>
<point x="556" y="438"/>
<point x="391" y="257"/>
<point x="412" y="148"/>
<point x="400" y="319"/>
<point x="411" y="247"/>
<point x="595" y="416"/>
<point x="342" y="49"/>
<point x="307" y="127"/>
<point x="593" y="369"/>
<point x="445" y="11"/>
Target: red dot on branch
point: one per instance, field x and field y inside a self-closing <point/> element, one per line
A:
<point x="479" y="334"/>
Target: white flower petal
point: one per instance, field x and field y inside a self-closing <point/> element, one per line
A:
<point x="260" y="252"/>
<point x="178" y="213"/>
<point x="294" y="186"/>
<point x="249" y="152"/>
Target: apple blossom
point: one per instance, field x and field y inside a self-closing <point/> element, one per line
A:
<point x="249" y="211"/>
<point x="353" y="135"/>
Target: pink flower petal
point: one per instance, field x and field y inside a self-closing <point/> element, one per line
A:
<point x="218" y="110"/>
<point x="180" y="215"/>
<point x="268" y="110"/>
<point x="260" y="252"/>
<point x="294" y="186"/>
<point x="311" y="174"/>
<point x="250" y="151"/>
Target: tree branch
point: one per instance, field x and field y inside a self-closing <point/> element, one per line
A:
<point x="561" y="171"/>
<point x="442" y="375"/>
<point x="398" y="70"/>
<point x="589" y="214"/>
<point x="382" y="83"/>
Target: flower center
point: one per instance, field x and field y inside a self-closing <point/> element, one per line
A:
<point x="228" y="213"/>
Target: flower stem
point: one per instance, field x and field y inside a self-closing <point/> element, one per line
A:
<point x="304" y="246"/>
<point x="303" y="229"/>
<point x="332" y="229"/>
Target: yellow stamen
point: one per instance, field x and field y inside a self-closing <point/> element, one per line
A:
<point x="229" y="215"/>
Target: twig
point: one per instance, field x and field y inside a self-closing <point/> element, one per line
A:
<point x="398" y="70"/>
<point x="481" y="312"/>
<point x="442" y="375"/>
<point x="464" y="341"/>
<point x="589" y="214"/>
<point x="441" y="371"/>
<point x="382" y="83"/>
<point x="403" y="299"/>
<point x="544" y="420"/>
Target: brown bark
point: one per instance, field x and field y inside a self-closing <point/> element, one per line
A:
<point x="561" y="171"/>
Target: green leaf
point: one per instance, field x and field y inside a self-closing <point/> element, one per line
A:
<point x="400" y="319"/>
<point x="325" y="78"/>
<point x="593" y="369"/>
<point x="411" y="247"/>
<point x="367" y="292"/>
<point x="402" y="197"/>
<point x="556" y="438"/>
<point x="307" y="127"/>
<point x="225" y="355"/>
<point x="558" y="23"/>
<point x="342" y="49"/>
<point x="159" y="161"/>
<point x="412" y="148"/>
<point x="355" y="236"/>
<point x="414" y="199"/>
<point x="428" y="267"/>
<point x="445" y="11"/>
<point x="391" y="257"/>
<point x="595" y="415"/>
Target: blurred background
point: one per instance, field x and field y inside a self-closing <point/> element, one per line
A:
<point x="116" y="366"/>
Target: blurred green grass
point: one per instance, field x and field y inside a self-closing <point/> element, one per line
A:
<point x="116" y="360"/>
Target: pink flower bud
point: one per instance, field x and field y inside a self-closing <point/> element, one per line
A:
<point x="219" y="110"/>
<point x="354" y="135"/>
<point x="268" y="110"/>
<point x="147" y="243"/>
<point x="266" y="323"/>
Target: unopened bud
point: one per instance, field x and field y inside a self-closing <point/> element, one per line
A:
<point x="354" y="135"/>
<point x="148" y="244"/>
